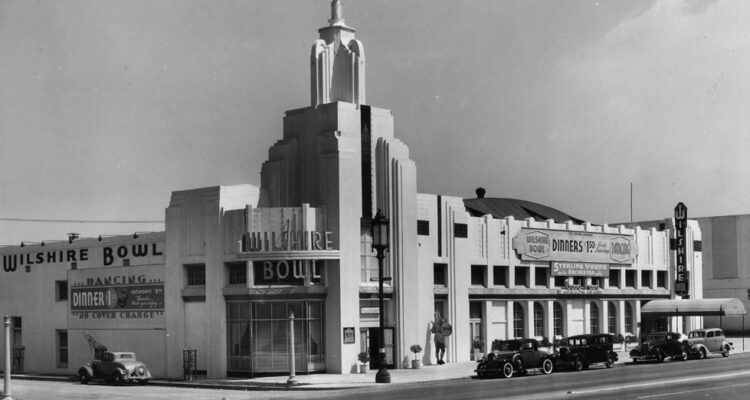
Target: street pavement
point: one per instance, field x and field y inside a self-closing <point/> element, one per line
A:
<point x="426" y="373"/>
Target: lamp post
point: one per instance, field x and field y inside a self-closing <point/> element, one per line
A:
<point x="6" y="390"/>
<point x="380" y="243"/>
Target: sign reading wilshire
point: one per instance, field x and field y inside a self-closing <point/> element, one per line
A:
<point x="680" y="223"/>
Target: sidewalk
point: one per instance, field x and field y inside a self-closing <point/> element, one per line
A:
<point x="425" y="373"/>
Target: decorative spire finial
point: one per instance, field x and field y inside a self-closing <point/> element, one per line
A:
<point x="336" y="13"/>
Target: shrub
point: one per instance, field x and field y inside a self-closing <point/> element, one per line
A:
<point x="363" y="357"/>
<point x="416" y="349"/>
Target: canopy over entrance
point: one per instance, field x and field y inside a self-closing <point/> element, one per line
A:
<point x="704" y="307"/>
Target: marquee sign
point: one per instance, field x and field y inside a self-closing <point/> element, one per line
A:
<point x="287" y="272"/>
<point x="116" y="298"/>
<point x="680" y="222"/>
<point x="287" y="233"/>
<point x="575" y="246"/>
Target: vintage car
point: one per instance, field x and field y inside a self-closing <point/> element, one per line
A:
<point x="706" y="341"/>
<point x="515" y="356"/>
<point x="581" y="351"/>
<point x="116" y="368"/>
<point x="660" y="345"/>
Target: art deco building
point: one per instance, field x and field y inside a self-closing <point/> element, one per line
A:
<point x="235" y="261"/>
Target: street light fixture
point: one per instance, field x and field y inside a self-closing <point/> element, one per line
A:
<point x="380" y="244"/>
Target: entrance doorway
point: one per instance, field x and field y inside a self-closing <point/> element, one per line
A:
<point x="475" y="329"/>
<point x="370" y="336"/>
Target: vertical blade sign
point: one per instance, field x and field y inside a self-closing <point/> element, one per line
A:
<point x="680" y="221"/>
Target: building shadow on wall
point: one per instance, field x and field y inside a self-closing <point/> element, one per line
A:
<point x="427" y="354"/>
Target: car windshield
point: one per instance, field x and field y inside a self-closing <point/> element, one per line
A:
<point x="696" y="334"/>
<point x="126" y="356"/>
<point x="509" y="345"/>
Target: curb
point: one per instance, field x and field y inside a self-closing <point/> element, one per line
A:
<point x="255" y="386"/>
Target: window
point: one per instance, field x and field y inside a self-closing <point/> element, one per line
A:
<point x="560" y="281"/>
<point x="596" y="281"/>
<point x="611" y="317"/>
<point x="15" y="326"/>
<point x="522" y="276"/>
<point x="518" y="320"/>
<point x="614" y="278"/>
<point x="579" y="281"/>
<point x="61" y="290"/>
<point x="62" y="348"/>
<point x="196" y="274"/>
<point x="661" y="279"/>
<point x="257" y="336"/>
<point x="538" y="319"/>
<point x="423" y="227"/>
<point x="594" y="318"/>
<point x="557" y="319"/>
<point x="646" y="279"/>
<point x="439" y="271"/>
<point x="500" y="275"/>
<point x="628" y="318"/>
<point x="630" y="278"/>
<point x="540" y="277"/>
<point x="237" y="273"/>
<point x="460" y="230"/>
<point x="475" y="310"/>
<point x="478" y="273"/>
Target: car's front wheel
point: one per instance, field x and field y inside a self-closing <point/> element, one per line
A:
<point x="684" y="356"/>
<point x="610" y="362"/>
<point x="117" y="378"/>
<point x="507" y="370"/>
<point x="547" y="366"/>
<point x="84" y="377"/>
<point x="725" y="351"/>
<point x="577" y="364"/>
<point x="702" y="354"/>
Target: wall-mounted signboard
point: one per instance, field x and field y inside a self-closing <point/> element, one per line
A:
<point x="579" y="269"/>
<point x="575" y="246"/>
<point x="116" y="298"/>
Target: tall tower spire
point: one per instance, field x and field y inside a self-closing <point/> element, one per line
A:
<point x="336" y="13"/>
<point x="337" y="63"/>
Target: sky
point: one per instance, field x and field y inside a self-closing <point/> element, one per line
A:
<point x="106" y="107"/>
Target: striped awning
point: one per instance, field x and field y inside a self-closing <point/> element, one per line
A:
<point x="729" y="306"/>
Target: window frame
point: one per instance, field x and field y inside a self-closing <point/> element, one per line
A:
<point x="190" y="275"/>
<point x="233" y="270"/>
<point x="61" y="349"/>
<point x="60" y="293"/>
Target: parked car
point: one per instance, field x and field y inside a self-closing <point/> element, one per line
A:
<point x="515" y="356"/>
<point x="661" y="345"/>
<point x="581" y="351"/>
<point x="706" y="341"/>
<point x="115" y="368"/>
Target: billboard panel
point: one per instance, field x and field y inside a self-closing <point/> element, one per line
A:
<point x="116" y="298"/>
<point x="575" y="246"/>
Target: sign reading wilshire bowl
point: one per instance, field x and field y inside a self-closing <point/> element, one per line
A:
<point x="575" y="247"/>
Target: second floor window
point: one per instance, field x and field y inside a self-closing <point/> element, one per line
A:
<point x="196" y="274"/>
